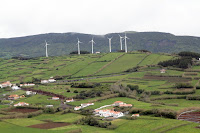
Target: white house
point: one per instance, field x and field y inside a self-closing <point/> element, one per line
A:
<point x="55" y="98"/>
<point x="77" y="108"/>
<point x="51" y="80"/>
<point x="49" y="106"/>
<point x="135" y="115"/>
<point x="83" y="105"/>
<point x="44" y="81"/>
<point x="109" y="113"/>
<point x="70" y="100"/>
<point x="21" y="104"/>
<point x="97" y="52"/>
<point x="125" y="105"/>
<point x="162" y="71"/>
<point x="30" y="93"/>
<point x="28" y="84"/>
<point x="117" y="103"/>
<point x="5" y="84"/>
<point x="13" y="97"/>
<point x="15" y="87"/>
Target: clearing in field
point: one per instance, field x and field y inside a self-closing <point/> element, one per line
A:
<point x="23" y="110"/>
<point x="50" y="125"/>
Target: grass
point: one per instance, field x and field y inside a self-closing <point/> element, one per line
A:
<point x="182" y="103"/>
<point x="69" y="117"/>
<point x="39" y="100"/>
<point x="123" y="63"/>
<point x="23" y="121"/>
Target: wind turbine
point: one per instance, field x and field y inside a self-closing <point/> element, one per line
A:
<point x="125" y="37"/>
<point x="110" y="43"/>
<point x="93" y="42"/>
<point x="46" y="44"/>
<point x="121" y="38"/>
<point x="78" y="43"/>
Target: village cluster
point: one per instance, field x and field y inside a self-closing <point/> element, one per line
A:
<point x="97" y="112"/>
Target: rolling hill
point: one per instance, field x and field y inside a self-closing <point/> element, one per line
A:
<point x="64" y="43"/>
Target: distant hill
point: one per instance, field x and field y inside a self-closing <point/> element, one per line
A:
<point x="64" y="43"/>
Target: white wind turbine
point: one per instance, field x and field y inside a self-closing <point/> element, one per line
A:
<point x="78" y="43"/>
<point x="93" y="42"/>
<point x="125" y="37"/>
<point x="110" y="44"/>
<point x="46" y="44"/>
<point x="121" y="38"/>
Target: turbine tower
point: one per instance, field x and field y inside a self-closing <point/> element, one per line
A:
<point x="121" y="38"/>
<point x="125" y="37"/>
<point x="46" y="44"/>
<point x="110" y="44"/>
<point x="78" y="43"/>
<point x="93" y="42"/>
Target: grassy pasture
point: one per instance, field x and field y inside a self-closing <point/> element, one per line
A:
<point x="38" y="100"/>
<point x="123" y="63"/>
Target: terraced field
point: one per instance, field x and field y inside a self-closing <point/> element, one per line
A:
<point x="153" y="91"/>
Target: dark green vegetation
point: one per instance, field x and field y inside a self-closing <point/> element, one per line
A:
<point x="64" y="43"/>
<point x="133" y="78"/>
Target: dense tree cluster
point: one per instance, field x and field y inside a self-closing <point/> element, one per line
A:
<point x="88" y="94"/>
<point x="183" y="85"/>
<point x="183" y="62"/>
<point x="189" y="54"/>
<point x="21" y="58"/>
<point x="81" y="52"/>
<point x="145" y="51"/>
<point x="85" y="85"/>
<point x="88" y="120"/>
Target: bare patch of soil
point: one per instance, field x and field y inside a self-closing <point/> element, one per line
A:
<point x="192" y="116"/>
<point x="50" y="125"/>
<point x="23" y="110"/>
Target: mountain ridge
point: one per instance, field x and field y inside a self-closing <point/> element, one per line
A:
<point x="64" y="43"/>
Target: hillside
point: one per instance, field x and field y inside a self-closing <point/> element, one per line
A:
<point x="160" y="99"/>
<point x="64" y="43"/>
<point x="74" y="66"/>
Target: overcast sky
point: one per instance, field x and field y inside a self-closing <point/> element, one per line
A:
<point x="29" y="17"/>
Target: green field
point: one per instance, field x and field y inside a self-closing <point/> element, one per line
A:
<point x="153" y="90"/>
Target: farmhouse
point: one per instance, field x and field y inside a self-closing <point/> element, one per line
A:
<point x="49" y="106"/>
<point x="135" y="115"/>
<point x="5" y="84"/>
<point x="22" y="96"/>
<point x="44" y="81"/>
<point x="70" y="100"/>
<point x="28" y="84"/>
<point x="117" y="103"/>
<point x="30" y="93"/>
<point x="77" y="108"/>
<point x="13" y="97"/>
<point x="55" y="98"/>
<point x="162" y="71"/>
<point x="21" y="104"/>
<point x="109" y="113"/>
<point x="125" y="105"/>
<point x="14" y="87"/>
<point x="83" y="105"/>
<point x="51" y="80"/>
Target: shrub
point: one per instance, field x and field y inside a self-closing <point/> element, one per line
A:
<point x="75" y="91"/>
<point x="49" y="110"/>
<point x="85" y="85"/>
<point x="197" y="87"/>
<point x="183" y="85"/>
<point x="91" y="121"/>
